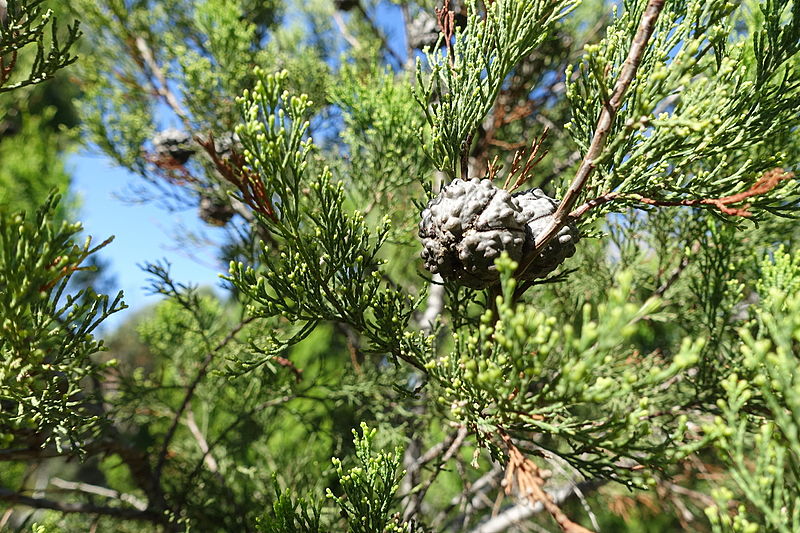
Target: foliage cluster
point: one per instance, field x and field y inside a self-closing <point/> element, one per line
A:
<point x="656" y="361"/>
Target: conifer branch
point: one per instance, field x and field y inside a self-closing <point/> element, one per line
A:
<point x="201" y="373"/>
<point x="605" y="122"/>
<point x="767" y="182"/>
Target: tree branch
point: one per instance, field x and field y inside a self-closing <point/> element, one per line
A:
<point x="163" y="89"/>
<point x="352" y="41"/>
<point x="202" y="443"/>
<point x="198" y="466"/>
<point x="604" y="123"/>
<point x="100" y="491"/>
<point x="162" y="456"/>
<point x="136" y="461"/>
<point x="70" y="507"/>
<point x="379" y="34"/>
<point x="676" y="273"/>
<point x="446" y="449"/>
<point x="768" y="181"/>
<point x="524" y="510"/>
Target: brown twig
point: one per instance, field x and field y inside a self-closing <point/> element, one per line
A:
<point x="600" y="200"/>
<point x="525" y="474"/>
<point x="473" y="497"/>
<point x="493" y="169"/>
<point x="604" y="123"/>
<point x="7" y="69"/>
<point x="446" y="20"/>
<point x="523" y="172"/>
<point x="298" y="373"/>
<point x="768" y="181"/>
<point x="435" y="451"/>
<point x="172" y="170"/>
<point x="523" y="511"/>
<point x="234" y="170"/>
<point x="211" y="462"/>
<point x="68" y="270"/>
<point x="465" y="149"/>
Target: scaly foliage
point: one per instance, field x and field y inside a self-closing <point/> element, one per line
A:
<point x="663" y="349"/>
<point x="47" y="339"/>
<point x="24" y="23"/>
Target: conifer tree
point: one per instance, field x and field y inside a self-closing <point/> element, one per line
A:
<point x="494" y="266"/>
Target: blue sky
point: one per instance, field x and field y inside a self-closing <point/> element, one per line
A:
<point x="143" y="232"/>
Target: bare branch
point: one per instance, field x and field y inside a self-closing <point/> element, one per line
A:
<point x="673" y="277"/>
<point x="70" y="507"/>
<point x="524" y="510"/>
<point x="202" y="443"/>
<point x="100" y="491"/>
<point x="473" y="497"/>
<point x="209" y="460"/>
<point x="115" y="443"/>
<point x="245" y="416"/>
<point x="352" y="41"/>
<point x="380" y="35"/>
<point x="435" y="304"/>
<point x="162" y="89"/>
<point x="434" y="452"/>
<point x="436" y="292"/>
<point x="449" y="446"/>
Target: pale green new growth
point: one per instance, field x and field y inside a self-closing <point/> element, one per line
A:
<point x="578" y="382"/>
<point x="369" y="487"/>
<point x="759" y="416"/>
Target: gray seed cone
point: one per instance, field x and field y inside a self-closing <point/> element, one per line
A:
<point x="215" y="211"/>
<point x="345" y="5"/>
<point x="227" y="143"/>
<point x="538" y="209"/>
<point x="470" y="223"/>
<point x="174" y="143"/>
<point x="423" y="31"/>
